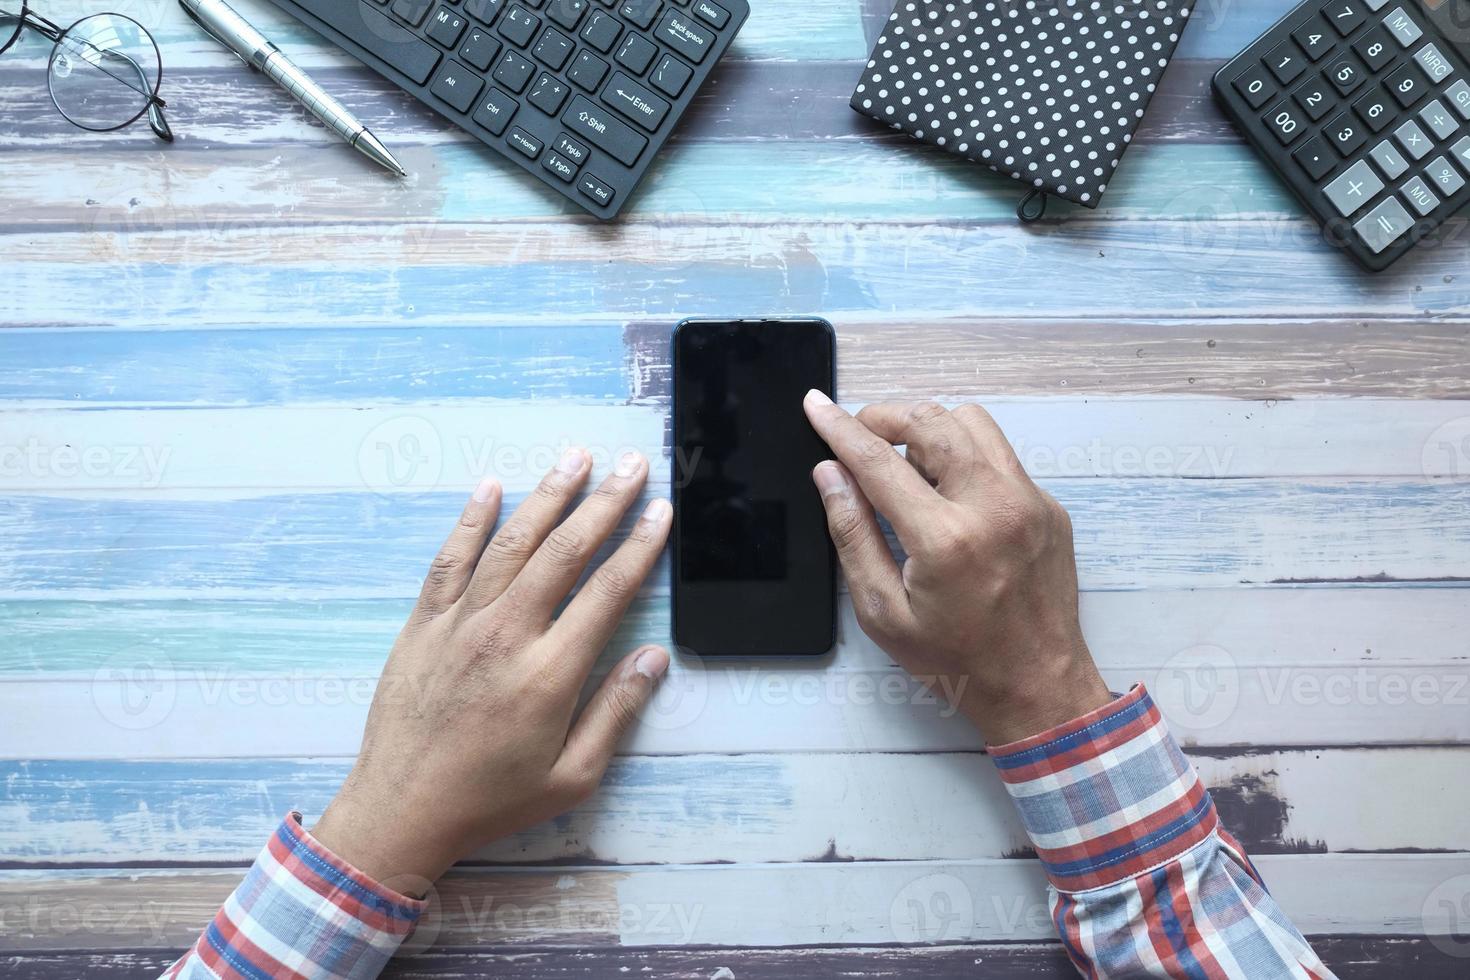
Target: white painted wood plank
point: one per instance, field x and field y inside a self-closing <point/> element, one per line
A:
<point x="179" y="452"/>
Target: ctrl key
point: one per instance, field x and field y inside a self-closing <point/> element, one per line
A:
<point x="1383" y="226"/>
<point x="592" y="187"/>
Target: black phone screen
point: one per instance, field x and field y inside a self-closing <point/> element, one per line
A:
<point x="754" y="569"/>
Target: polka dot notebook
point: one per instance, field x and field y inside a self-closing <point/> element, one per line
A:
<point x="1047" y="93"/>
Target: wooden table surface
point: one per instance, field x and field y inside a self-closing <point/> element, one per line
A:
<point x="248" y="381"/>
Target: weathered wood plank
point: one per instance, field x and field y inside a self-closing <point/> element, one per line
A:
<point x="463" y="274"/>
<point x="859" y="903"/>
<point x="948" y="358"/>
<point x="1130" y="534"/>
<point x="364" y="445"/>
<point x="711" y="809"/>
<point x="1354" y="957"/>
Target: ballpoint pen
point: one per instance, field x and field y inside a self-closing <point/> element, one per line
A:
<point x="227" y="27"/>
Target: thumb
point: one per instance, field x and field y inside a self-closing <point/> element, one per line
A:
<point x="873" y="577"/>
<point x="612" y="711"/>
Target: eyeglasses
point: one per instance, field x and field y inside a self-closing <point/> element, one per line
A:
<point x="104" y="70"/>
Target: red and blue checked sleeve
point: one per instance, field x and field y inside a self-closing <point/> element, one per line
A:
<point x="301" y="912"/>
<point x="1144" y="880"/>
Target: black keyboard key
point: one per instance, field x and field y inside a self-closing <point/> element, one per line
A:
<point x="519" y="26"/>
<point x="513" y="71"/>
<point x="524" y="143"/>
<point x="1373" y="47"/>
<point x="640" y="12"/>
<point x="693" y="41"/>
<point x="483" y="11"/>
<point x="456" y="85"/>
<point x="1314" y="38"/>
<point x="595" y="189"/>
<point x="602" y="31"/>
<point x="1285" y="62"/>
<point x="559" y="167"/>
<point x="1315" y="98"/>
<point x="635" y="53"/>
<point x="412" y="11"/>
<point x="571" y="149"/>
<point x="553" y="49"/>
<point x="635" y="102"/>
<point x="1284" y="122"/>
<point x="566" y="13"/>
<point x="446" y="26"/>
<point x="711" y="13"/>
<point x="1345" y="15"/>
<point x="671" y="75"/>
<point x="1313" y="157"/>
<point x="1345" y="133"/>
<point x="480" y="48"/>
<point x="1346" y="74"/>
<point x="495" y="111"/>
<point x="1406" y="84"/>
<point x="598" y="126"/>
<point x="1375" y="108"/>
<point x="549" y="93"/>
<point x="588" y="71"/>
<point x="1255" y="85"/>
<point x="381" y="36"/>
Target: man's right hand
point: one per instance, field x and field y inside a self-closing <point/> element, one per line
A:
<point x="987" y="597"/>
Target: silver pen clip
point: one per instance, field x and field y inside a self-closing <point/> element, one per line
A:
<point x="210" y="31"/>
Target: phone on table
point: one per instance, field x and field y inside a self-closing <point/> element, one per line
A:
<point x="754" y="572"/>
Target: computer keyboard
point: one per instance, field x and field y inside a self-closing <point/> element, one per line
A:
<point x="579" y="93"/>
<point x="1361" y="106"/>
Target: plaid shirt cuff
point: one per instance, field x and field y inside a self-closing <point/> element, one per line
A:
<point x="1108" y="796"/>
<point x="302" y="911"/>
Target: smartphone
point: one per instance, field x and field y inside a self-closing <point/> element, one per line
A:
<point x="754" y="572"/>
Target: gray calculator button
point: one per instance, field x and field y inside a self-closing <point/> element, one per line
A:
<point x="1413" y="140"/>
<point x="1376" y="5"/>
<point x="1389" y="159"/>
<point x="1402" y="26"/>
<point x="1445" y="176"/>
<point x="1461" y="150"/>
<point x="1353" y="189"/>
<point x="1383" y="226"/>
<point x="1459" y="96"/>
<point x="1438" y="119"/>
<point x="1435" y="65"/>
<point x="1419" y="196"/>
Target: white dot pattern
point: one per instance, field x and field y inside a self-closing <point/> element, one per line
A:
<point x="1046" y="92"/>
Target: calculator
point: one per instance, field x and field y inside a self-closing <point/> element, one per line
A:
<point x="1361" y="106"/>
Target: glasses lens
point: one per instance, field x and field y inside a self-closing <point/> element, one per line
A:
<point x="103" y="71"/>
<point x="12" y="14"/>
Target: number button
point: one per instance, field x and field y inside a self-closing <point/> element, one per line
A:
<point x="1406" y="83"/>
<point x="1313" y="157"/>
<point x="1313" y="38"/>
<point x="1345" y="15"/>
<point x="1374" y="49"/>
<point x="1345" y="74"/>
<point x="1255" y="86"/>
<point x="1355" y="188"/>
<point x="1284" y="122"/>
<point x="1375" y="109"/>
<point x="1285" y="62"/>
<point x="1313" y="99"/>
<point x="1346" y="134"/>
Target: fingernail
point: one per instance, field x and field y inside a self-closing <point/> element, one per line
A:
<point x="570" y="462"/>
<point x="628" y="464"/>
<point x="486" y="490"/>
<point x="652" y="663"/>
<point x="830" y="478"/>
<point x="815" y="397"/>
<point x="657" y="511"/>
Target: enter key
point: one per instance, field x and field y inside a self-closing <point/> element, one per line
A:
<point x="636" y="102"/>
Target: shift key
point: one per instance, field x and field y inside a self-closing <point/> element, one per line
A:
<point x="603" y="131"/>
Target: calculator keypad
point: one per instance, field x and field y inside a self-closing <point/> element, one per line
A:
<point x="1366" y="105"/>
